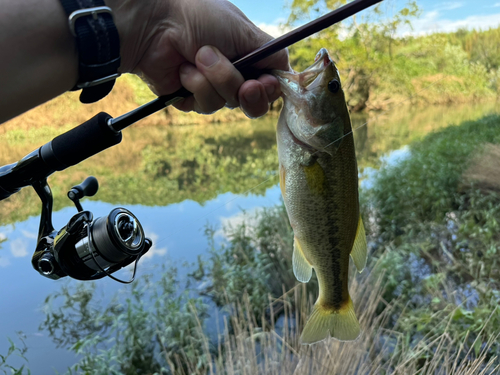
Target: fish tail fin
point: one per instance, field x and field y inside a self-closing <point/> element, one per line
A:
<point x="341" y="324"/>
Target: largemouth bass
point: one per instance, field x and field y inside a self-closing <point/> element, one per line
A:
<point x="319" y="184"/>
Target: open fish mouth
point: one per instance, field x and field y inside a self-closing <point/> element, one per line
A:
<point x="311" y="115"/>
<point x="297" y="87"/>
<point x="294" y="85"/>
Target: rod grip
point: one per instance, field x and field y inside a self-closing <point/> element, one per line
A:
<point x="80" y="143"/>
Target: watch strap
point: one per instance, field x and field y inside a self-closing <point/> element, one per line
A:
<point x="98" y="43"/>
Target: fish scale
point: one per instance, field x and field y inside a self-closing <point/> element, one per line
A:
<point x="319" y="183"/>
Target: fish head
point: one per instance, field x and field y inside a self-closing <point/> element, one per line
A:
<point x="314" y="104"/>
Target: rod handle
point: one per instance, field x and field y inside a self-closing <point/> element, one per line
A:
<point x="80" y="143"/>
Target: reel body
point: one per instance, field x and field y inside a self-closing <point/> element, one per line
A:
<point x="87" y="248"/>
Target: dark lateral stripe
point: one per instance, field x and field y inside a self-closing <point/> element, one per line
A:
<point x="336" y="266"/>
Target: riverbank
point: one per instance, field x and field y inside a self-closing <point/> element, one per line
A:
<point x="428" y="300"/>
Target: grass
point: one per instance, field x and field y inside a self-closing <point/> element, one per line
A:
<point x="427" y="302"/>
<point x="269" y="345"/>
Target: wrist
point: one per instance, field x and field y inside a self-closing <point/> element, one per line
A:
<point x="132" y="19"/>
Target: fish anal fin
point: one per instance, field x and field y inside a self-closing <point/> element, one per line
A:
<point x="341" y="324"/>
<point x="302" y="269"/>
<point x="358" y="252"/>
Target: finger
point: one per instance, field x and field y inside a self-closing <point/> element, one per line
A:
<point x="253" y="98"/>
<point x="206" y="98"/>
<point x="186" y="104"/>
<point x="221" y="74"/>
<point x="271" y="85"/>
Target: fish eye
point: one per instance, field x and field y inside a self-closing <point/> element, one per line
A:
<point x="334" y="86"/>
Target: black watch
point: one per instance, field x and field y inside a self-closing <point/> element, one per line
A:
<point x="98" y="43"/>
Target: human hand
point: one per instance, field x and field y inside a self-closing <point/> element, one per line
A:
<point x="174" y="43"/>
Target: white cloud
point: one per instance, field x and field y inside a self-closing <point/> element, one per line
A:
<point x="449" y="5"/>
<point x="249" y="217"/>
<point x="28" y="234"/>
<point x="432" y="22"/>
<point x="19" y="248"/>
<point x="275" y="29"/>
<point x="159" y="251"/>
<point x="496" y="5"/>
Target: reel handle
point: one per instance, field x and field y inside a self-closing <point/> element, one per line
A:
<point x="87" y="188"/>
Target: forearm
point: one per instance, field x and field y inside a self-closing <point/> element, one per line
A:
<point x="39" y="59"/>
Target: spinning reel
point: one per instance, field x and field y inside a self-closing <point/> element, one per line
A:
<point x="87" y="248"/>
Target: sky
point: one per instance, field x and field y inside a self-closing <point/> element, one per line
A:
<point x="436" y="15"/>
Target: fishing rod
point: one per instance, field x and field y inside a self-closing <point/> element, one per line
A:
<point x="87" y="248"/>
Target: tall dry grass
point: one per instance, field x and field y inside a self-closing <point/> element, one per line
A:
<point x="243" y="348"/>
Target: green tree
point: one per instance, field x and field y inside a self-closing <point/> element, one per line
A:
<point x="363" y="47"/>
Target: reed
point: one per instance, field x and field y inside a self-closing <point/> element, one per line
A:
<point x="272" y="346"/>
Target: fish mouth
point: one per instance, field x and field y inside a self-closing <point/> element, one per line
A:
<point x="297" y="87"/>
<point x="293" y="84"/>
<point x="302" y="89"/>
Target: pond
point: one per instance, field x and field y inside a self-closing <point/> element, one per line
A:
<point x="176" y="180"/>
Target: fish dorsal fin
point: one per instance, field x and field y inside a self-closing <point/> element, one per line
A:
<point x="358" y="252"/>
<point x="302" y="269"/>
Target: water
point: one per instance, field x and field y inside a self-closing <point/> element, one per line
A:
<point x="175" y="180"/>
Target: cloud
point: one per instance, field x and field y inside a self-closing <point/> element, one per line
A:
<point x="275" y="29"/>
<point x="496" y="5"/>
<point x="19" y="248"/>
<point x="28" y="234"/>
<point x="449" y="5"/>
<point x="432" y="22"/>
<point x="154" y="251"/>
<point x="248" y="217"/>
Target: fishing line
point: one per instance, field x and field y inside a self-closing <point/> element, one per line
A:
<point x="393" y="106"/>
<point x="383" y="113"/>
<point x="308" y="355"/>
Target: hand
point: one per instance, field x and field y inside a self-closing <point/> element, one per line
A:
<point x="174" y="43"/>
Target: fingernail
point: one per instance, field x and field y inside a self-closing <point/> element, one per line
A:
<point x="208" y="56"/>
<point x="253" y="96"/>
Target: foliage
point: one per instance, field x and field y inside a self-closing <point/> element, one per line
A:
<point x="428" y="301"/>
<point x="140" y="332"/>
<point x="380" y="63"/>
<point x="256" y="260"/>
<point x="442" y="233"/>
<point x="158" y="165"/>
<point x="19" y="351"/>
<point x="424" y="187"/>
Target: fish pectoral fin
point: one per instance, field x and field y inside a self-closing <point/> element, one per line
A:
<point x="341" y="324"/>
<point x="358" y="252"/>
<point x="302" y="269"/>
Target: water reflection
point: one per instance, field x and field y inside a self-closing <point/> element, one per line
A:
<point x="175" y="179"/>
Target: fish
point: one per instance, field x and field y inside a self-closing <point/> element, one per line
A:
<point x="319" y="184"/>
